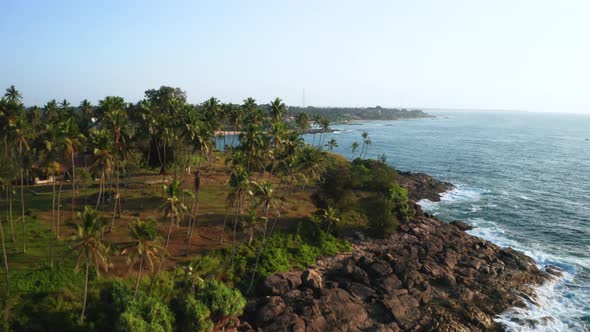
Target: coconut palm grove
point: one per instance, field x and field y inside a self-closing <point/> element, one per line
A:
<point x="162" y="215"/>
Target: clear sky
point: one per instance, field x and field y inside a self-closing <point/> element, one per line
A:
<point x="503" y="54"/>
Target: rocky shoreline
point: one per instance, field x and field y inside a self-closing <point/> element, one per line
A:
<point x="428" y="276"/>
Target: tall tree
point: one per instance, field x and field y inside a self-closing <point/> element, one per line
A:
<point x="103" y="158"/>
<point x="73" y="141"/>
<point x="368" y="142"/>
<point x="4" y="258"/>
<point x="114" y="119"/>
<point x="302" y="122"/>
<point x="354" y="147"/>
<point x="332" y="144"/>
<point x="22" y="135"/>
<point x="239" y="181"/>
<point x="92" y="251"/>
<point x="13" y="95"/>
<point x="278" y="109"/>
<point x="264" y="194"/>
<point x="174" y="209"/>
<point x="364" y="136"/>
<point x="144" y="248"/>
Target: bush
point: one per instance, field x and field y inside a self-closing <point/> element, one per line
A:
<point x="211" y="305"/>
<point x="146" y="314"/>
<point x="401" y="204"/>
<point x="281" y="253"/>
<point x="382" y="221"/>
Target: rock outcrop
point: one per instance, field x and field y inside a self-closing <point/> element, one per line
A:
<point x="428" y="276"/>
<point x="461" y="225"/>
<point x="423" y="186"/>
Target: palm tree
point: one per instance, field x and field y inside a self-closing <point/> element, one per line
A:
<point x="104" y="160"/>
<point x="325" y="126"/>
<point x="65" y="106"/>
<point x="331" y="144"/>
<point x="86" y="108"/>
<point x="317" y="120"/>
<point x="5" y="258"/>
<point x="355" y="147"/>
<point x="365" y="136"/>
<point x="92" y="251"/>
<point x="239" y="181"/>
<point x="173" y="208"/>
<point x="52" y="169"/>
<point x="330" y="218"/>
<point x="72" y="142"/>
<point x="13" y="95"/>
<point x="310" y="162"/>
<point x="278" y="109"/>
<point x="51" y="111"/>
<point x="22" y="133"/>
<point x="367" y="143"/>
<point x="144" y="248"/>
<point x="115" y="120"/>
<point x="302" y="122"/>
<point x="198" y="136"/>
<point x="264" y="194"/>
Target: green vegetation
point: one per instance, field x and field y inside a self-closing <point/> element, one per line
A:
<point x="340" y="114"/>
<point x="364" y="193"/>
<point x="124" y="217"/>
<point x="281" y="252"/>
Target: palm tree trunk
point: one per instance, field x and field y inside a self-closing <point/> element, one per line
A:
<point x="224" y="222"/>
<point x="259" y="248"/>
<point x="192" y="225"/>
<point x="22" y="197"/>
<point x="362" y="149"/>
<point x="73" y="187"/>
<point x="5" y="258"/>
<point x="238" y="210"/>
<point x="85" y="294"/>
<point x="59" y="204"/>
<point x="162" y="255"/>
<point x="138" y="277"/>
<point x="9" y="214"/>
<point x="100" y="188"/>
<point x="52" y="224"/>
<point x="117" y="195"/>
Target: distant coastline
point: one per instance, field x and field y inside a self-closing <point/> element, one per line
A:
<point x="347" y="114"/>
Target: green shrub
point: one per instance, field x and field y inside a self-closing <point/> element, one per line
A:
<point x="382" y="221"/>
<point x="210" y="305"/>
<point x="46" y="280"/>
<point x="146" y="314"/>
<point x="401" y="204"/>
<point x="282" y="252"/>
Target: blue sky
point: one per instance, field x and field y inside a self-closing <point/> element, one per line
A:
<point x="522" y="55"/>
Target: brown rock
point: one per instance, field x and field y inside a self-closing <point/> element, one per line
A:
<point x="274" y="307"/>
<point x="311" y="278"/>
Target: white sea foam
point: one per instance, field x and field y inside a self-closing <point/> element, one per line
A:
<point x="555" y="302"/>
<point x="459" y="194"/>
<point x="549" y="311"/>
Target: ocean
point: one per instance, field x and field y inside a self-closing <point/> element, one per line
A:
<point x="523" y="180"/>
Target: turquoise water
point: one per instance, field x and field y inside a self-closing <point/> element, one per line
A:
<point x="523" y="180"/>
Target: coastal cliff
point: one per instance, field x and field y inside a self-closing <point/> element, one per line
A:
<point x="429" y="275"/>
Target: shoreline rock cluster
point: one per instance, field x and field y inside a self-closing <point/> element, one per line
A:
<point x="423" y="186"/>
<point x="428" y="276"/>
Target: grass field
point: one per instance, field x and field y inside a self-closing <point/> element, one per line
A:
<point x="141" y="197"/>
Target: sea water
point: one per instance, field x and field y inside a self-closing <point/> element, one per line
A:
<point x="523" y="180"/>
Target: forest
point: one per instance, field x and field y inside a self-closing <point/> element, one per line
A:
<point x="163" y="215"/>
